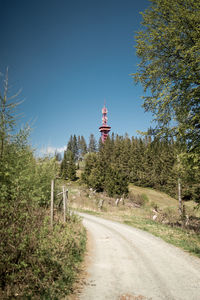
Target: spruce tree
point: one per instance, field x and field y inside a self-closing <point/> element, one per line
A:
<point x="68" y="166"/>
<point x="116" y="182"/>
<point x="92" y="147"/>
<point x="75" y="147"/>
<point x="83" y="146"/>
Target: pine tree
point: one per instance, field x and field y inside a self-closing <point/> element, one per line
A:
<point x="83" y="146"/>
<point x="58" y="156"/>
<point x="116" y="182"/>
<point x="91" y="161"/>
<point x="70" y="143"/>
<point x="73" y="146"/>
<point x="92" y="144"/>
<point x="68" y="166"/>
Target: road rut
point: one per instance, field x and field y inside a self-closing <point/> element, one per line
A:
<point x="129" y="261"/>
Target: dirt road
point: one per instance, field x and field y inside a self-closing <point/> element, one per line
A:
<point x="128" y="261"/>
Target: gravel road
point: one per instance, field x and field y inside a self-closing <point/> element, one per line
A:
<point x="132" y="262"/>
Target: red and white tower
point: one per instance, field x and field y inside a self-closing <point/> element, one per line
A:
<point x="104" y="129"/>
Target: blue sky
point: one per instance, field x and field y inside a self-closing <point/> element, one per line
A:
<point x="68" y="57"/>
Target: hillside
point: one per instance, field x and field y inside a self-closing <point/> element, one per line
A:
<point x="139" y="210"/>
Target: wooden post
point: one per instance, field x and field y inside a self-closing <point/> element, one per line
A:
<point x="64" y="204"/>
<point x="117" y="201"/>
<point x="179" y="197"/>
<point x="66" y="193"/>
<point x="52" y="196"/>
<point x="179" y="187"/>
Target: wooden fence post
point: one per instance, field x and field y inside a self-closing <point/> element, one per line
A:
<point x="66" y="193"/>
<point x="52" y="198"/>
<point x="64" y="204"/>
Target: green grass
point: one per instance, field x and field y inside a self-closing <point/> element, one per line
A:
<point x="141" y="217"/>
<point x="188" y="241"/>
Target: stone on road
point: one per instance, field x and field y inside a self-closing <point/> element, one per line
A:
<point x="128" y="263"/>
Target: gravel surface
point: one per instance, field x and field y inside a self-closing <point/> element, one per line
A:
<point x="128" y="263"/>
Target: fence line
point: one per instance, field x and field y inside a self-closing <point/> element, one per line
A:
<point x="64" y="198"/>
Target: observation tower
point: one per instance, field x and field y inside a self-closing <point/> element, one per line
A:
<point x="104" y="129"/>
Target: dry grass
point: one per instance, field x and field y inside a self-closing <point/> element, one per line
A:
<point x="138" y="211"/>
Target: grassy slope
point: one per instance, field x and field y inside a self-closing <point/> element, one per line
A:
<point x="83" y="199"/>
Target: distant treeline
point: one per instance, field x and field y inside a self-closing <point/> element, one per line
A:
<point x="147" y="162"/>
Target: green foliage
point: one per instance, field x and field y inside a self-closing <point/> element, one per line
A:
<point x="57" y="256"/>
<point x="101" y="174"/>
<point x="140" y="200"/>
<point x="68" y="166"/>
<point x="145" y="162"/>
<point x="73" y="146"/>
<point x="92" y="147"/>
<point x="116" y="183"/>
<point x="82" y="146"/>
<point x="45" y="170"/>
<point x="145" y="198"/>
<point x="35" y="262"/>
<point x="168" y="47"/>
<point x="178" y="237"/>
<point x="93" y="174"/>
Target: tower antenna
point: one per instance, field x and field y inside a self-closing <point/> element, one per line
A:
<point x="104" y="129"/>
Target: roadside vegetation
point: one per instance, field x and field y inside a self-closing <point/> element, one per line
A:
<point x="139" y="210"/>
<point x="165" y="158"/>
<point x="36" y="260"/>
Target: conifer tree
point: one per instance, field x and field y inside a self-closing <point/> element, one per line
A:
<point x="70" y="143"/>
<point x="73" y="146"/>
<point x="68" y="166"/>
<point x="92" y="147"/>
<point x="116" y="182"/>
<point x="83" y="146"/>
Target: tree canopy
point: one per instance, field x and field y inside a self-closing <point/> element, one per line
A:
<point x="169" y="70"/>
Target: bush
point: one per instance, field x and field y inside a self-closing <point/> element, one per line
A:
<point x="34" y="260"/>
<point x="45" y="262"/>
<point x="141" y="200"/>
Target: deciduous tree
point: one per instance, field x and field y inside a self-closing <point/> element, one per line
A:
<point x="169" y="70"/>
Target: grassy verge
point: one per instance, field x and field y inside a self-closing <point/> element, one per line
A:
<point x="182" y="238"/>
<point x="138" y="211"/>
<point x="179" y="237"/>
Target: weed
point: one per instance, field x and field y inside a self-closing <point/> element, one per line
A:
<point x="145" y="199"/>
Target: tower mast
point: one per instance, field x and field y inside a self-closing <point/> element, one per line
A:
<point x="104" y="129"/>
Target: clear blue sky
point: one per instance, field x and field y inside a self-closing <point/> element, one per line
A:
<point x="68" y="56"/>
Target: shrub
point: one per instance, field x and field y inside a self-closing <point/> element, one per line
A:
<point x="44" y="263"/>
<point x="139" y="199"/>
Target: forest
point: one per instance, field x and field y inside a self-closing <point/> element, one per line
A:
<point x="144" y="161"/>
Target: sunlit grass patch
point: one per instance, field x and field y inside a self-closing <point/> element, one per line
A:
<point x="189" y="241"/>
